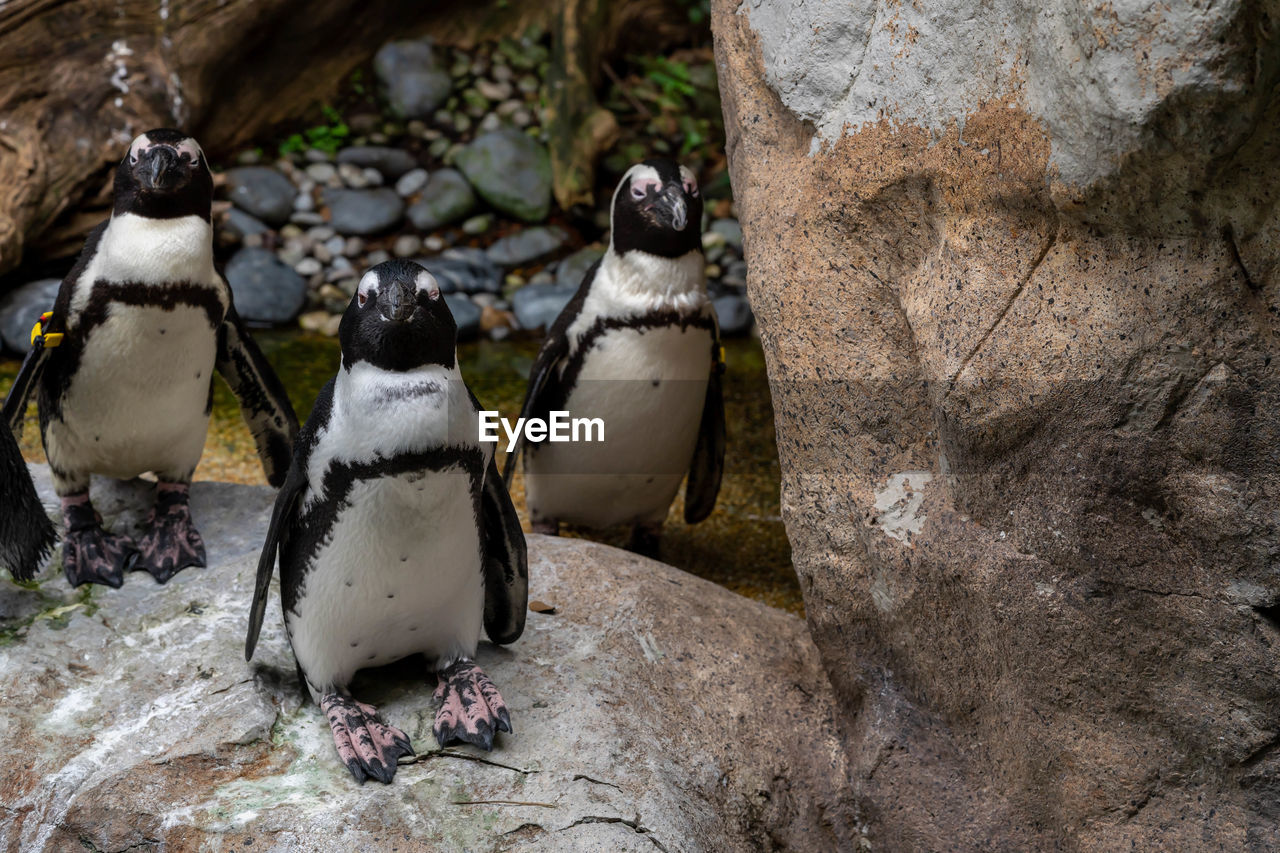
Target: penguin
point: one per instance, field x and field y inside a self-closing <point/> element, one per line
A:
<point x="123" y="368"/>
<point x="637" y="346"/>
<point x="394" y="531"/>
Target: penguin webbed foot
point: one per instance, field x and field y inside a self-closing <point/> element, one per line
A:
<point x="369" y="747"/>
<point x="91" y="554"/>
<point x="471" y="708"/>
<point x="171" y="542"/>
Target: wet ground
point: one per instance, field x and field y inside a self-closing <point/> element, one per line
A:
<point x="742" y="545"/>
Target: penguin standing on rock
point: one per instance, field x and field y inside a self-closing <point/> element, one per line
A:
<point x="124" y="366"/>
<point x="637" y="347"/>
<point x="395" y="533"/>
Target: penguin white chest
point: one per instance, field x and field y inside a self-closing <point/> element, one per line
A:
<point x="649" y="387"/>
<point x="399" y="574"/>
<point x="137" y="400"/>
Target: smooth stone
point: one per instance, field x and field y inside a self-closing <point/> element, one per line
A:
<point x="406" y="245"/>
<point x="730" y="230"/>
<point x="308" y="266"/>
<point x="304" y="203"/>
<point x="352" y="176"/>
<point x="528" y="245"/>
<point x="466" y="270"/>
<point x="414" y="86"/>
<point x="538" y="305"/>
<point x="734" y="314"/>
<point x="478" y="224"/>
<point x="266" y="290"/>
<point x="493" y="90"/>
<point x="376" y="257"/>
<point x="321" y="173"/>
<point x="372" y="177"/>
<point x="411" y="182"/>
<point x="363" y="212"/>
<point x="241" y="224"/>
<point x="21" y="308"/>
<point x="465" y="313"/>
<point x="511" y="171"/>
<point x="262" y="192"/>
<point x="446" y="198"/>
<point x="571" y="270"/>
<point x="306" y="217"/>
<point x="390" y="162"/>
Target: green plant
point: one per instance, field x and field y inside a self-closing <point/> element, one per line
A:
<point x="327" y="137"/>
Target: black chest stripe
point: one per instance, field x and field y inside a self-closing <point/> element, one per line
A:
<point x="65" y="360"/>
<point x="603" y="325"/>
<point x="313" y="528"/>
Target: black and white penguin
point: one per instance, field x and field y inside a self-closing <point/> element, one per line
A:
<point x="638" y="347"/>
<point x="394" y="530"/>
<point x="124" y="366"/>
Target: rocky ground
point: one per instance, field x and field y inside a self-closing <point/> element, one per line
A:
<point x="438" y="155"/>
<point x="652" y="711"/>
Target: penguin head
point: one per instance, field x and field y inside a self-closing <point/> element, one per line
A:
<point x="164" y="175"/>
<point x="657" y="209"/>
<point x="397" y="320"/>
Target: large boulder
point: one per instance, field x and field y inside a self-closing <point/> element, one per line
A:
<point x="652" y="710"/>
<point x="1019" y="307"/>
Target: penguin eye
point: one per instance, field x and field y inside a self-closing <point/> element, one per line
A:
<point x="361" y="299"/>
<point x="637" y="192"/>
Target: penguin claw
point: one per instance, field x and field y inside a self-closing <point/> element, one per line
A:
<point x="92" y="555"/>
<point x="369" y="747"/>
<point x="471" y="708"/>
<point x="171" y="542"/>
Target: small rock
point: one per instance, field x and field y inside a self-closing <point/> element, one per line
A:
<point x="493" y="90"/>
<point x="478" y="224"/>
<point x="265" y="289"/>
<point x="730" y="230"/>
<point x="352" y="175"/>
<point x="253" y="240"/>
<point x="320" y="233"/>
<point x="465" y="270"/>
<point x="406" y="245"/>
<point x="313" y="321"/>
<point x="574" y="268"/>
<point x="241" y="224"/>
<point x="522" y="118"/>
<point x="290" y="232"/>
<point x="446" y="198"/>
<point x="483" y="299"/>
<point x="21" y="308"/>
<point x="434" y="243"/>
<point x="465" y="313"/>
<point x="306" y="217"/>
<point x="411" y="182"/>
<point x="490" y="122"/>
<point x="711" y="271"/>
<point x="500" y="333"/>
<point x="389" y="162"/>
<point x="735" y="274"/>
<point x="491" y="318"/>
<point x="510" y="171"/>
<point x="304" y="203"/>
<point x="734" y="313"/>
<point x="439" y="147"/>
<point x="263" y="192"/>
<point x="249" y="158"/>
<point x="538" y="305"/>
<point x="416" y="128"/>
<point x="712" y="240"/>
<point x="352" y="247"/>
<point x="462" y="122"/>
<point x="528" y="84"/>
<point x="308" y="266"/>
<point x="363" y="212"/>
<point x="373" y="178"/>
<point x="315" y="155"/>
<point x="527" y="245"/>
<point x="376" y="257"/>
<point x="322" y="173"/>
<point x="415" y="87"/>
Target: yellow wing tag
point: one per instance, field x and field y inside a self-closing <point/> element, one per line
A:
<point x="51" y="339"/>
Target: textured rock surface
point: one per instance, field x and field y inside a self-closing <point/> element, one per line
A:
<point x="265" y="289"/>
<point x="511" y="171"/>
<point x="652" y="711"/>
<point x="1019" y="305"/>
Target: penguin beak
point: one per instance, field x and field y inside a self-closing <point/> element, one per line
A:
<point x="398" y="301"/>
<point x="159" y="168"/>
<point x="671" y="207"/>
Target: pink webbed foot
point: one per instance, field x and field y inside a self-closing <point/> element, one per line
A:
<point x="89" y="553"/>
<point x="171" y="542"/>
<point x="369" y="747"/>
<point x="471" y="708"/>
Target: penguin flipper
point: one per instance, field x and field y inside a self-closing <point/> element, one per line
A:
<point x="707" y="466"/>
<point x="263" y="400"/>
<point x="26" y="533"/>
<point x="506" y="562"/>
<point x="282" y="516"/>
<point x="15" y="404"/>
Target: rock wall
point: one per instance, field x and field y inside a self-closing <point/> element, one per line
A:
<point x="1015" y="270"/>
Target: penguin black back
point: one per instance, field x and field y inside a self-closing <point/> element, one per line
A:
<point x="658" y="210"/>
